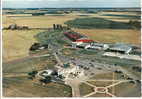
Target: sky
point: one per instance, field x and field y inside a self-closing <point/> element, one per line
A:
<point x="69" y="3"/>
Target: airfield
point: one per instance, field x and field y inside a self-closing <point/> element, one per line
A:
<point x="98" y="77"/>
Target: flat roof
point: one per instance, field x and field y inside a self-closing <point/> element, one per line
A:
<point x="121" y="47"/>
<point x="83" y="44"/>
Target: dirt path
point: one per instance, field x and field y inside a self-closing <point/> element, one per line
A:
<point x="15" y="75"/>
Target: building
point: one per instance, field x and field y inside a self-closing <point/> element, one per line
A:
<point x="121" y="48"/>
<point x="83" y="45"/>
<point x="46" y="73"/>
<point x="38" y="46"/>
<point x="71" y="72"/>
<point x="73" y="35"/>
<point x="84" y="40"/>
<point x="98" y="46"/>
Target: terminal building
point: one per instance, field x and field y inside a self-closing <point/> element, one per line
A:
<point x="98" y="46"/>
<point x="121" y="48"/>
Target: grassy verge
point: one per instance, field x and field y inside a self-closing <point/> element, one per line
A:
<point x="85" y="89"/>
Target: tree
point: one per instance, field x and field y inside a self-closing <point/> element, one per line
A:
<point x="46" y="80"/>
<point x="33" y="73"/>
<point x="135" y="24"/>
<point x="60" y="76"/>
<point x="55" y="73"/>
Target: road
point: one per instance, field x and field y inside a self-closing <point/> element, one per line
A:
<point x="74" y="83"/>
<point x="57" y="59"/>
<point x="75" y="86"/>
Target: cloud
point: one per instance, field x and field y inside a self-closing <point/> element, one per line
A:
<point x="70" y="3"/>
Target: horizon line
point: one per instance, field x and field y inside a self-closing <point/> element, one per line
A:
<point x="63" y="7"/>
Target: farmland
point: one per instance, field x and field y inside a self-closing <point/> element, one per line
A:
<point x="17" y="43"/>
<point x="35" y="21"/>
<point x="113" y="35"/>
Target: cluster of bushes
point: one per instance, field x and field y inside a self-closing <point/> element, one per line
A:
<point x="15" y="12"/>
<point x="54" y="12"/>
<point x="37" y="14"/>
<point x="135" y="24"/>
<point x="38" y="46"/>
<point x="48" y="12"/>
<point x="55" y="38"/>
<point x="46" y="80"/>
<point x="32" y="74"/>
<point x="136" y="68"/>
<point x="50" y="78"/>
<point x="91" y="23"/>
<point x="93" y="12"/>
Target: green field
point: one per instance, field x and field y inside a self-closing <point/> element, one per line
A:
<point x="124" y="16"/>
<point x="97" y="23"/>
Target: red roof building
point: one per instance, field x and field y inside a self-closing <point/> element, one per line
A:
<point x="85" y="40"/>
<point x="72" y="35"/>
<point x="77" y="37"/>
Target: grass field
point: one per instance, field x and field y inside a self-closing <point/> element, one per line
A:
<point x="101" y="83"/>
<point x="16" y="43"/>
<point x="124" y="16"/>
<point x="18" y="46"/>
<point x="29" y="64"/>
<point x="100" y="95"/>
<point x="85" y="89"/>
<point x="113" y="35"/>
<point x="23" y="87"/>
<point x="97" y="23"/>
<point x="123" y="89"/>
<point x="35" y="21"/>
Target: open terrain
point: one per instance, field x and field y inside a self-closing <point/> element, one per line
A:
<point x="17" y="62"/>
<point x="36" y="21"/>
<point x="14" y="49"/>
<point x="18" y="46"/>
<point x="16" y="43"/>
<point x="23" y="87"/>
<point x="113" y="35"/>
